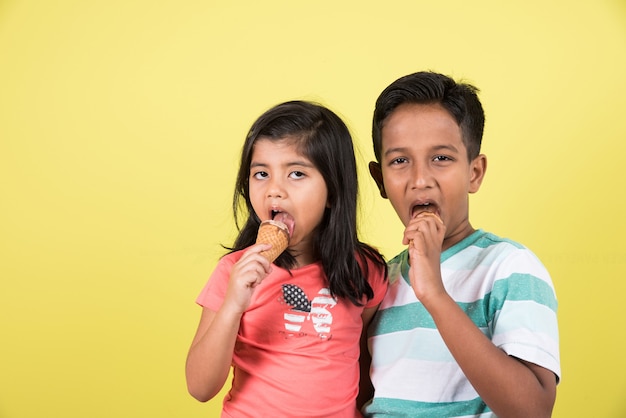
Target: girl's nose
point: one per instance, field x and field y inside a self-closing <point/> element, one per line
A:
<point x="275" y="188"/>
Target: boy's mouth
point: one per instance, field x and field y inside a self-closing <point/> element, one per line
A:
<point x="421" y="208"/>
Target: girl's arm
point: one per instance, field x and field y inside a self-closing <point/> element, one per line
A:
<point x="366" y="389"/>
<point x="210" y="356"/>
<point x="211" y="352"/>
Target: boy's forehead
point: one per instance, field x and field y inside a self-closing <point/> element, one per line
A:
<point x="413" y="122"/>
<point x="420" y="112"/>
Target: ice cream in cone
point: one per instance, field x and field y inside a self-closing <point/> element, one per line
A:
<point x="275" y="233"/>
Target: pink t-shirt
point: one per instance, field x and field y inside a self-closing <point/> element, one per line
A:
<point x="297" y="349"/>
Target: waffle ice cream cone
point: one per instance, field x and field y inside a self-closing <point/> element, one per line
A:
<point x="275" y="233"/>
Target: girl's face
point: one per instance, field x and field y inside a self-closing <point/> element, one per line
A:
<point x="284" y="184"/>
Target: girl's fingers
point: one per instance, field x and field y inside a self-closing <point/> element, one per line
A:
<point x="253" y="255"/>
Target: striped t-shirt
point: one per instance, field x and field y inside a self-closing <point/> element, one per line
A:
<point x="501" y="286"/>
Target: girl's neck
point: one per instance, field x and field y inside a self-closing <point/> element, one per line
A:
<point x="305" y="260"/>
<point x="304" y="253"/>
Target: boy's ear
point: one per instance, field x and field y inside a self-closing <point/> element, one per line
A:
<point x="377" y="174"/>
<point x="478" y="167"/>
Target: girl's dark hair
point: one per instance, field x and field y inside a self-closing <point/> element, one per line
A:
<point x="425" y="87"/>
<point x="324" y="139"/>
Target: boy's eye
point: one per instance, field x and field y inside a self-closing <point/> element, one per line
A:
<point x="296" y="174"/>
<point x="442" y="158"/>
<point x="399" y="160"/>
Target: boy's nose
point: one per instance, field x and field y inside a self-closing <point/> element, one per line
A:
<point x="421" y="176"/>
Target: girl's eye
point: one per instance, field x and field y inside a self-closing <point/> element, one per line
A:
<point x="260" y="175"/>
<point x="296" y="174"/>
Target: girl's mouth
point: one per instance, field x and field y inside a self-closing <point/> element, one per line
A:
<point x="285" y="218"/>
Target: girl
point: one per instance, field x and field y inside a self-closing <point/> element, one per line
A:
<point x="291" y="330"/>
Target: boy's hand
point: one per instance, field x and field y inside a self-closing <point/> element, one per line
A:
<point x="424" y="235"/>
<point x="247" y="274"/>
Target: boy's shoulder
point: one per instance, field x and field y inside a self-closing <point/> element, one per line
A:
<point x="484" y="239"/>
<point x="479" y="241"/>
<point x="484" y="247"/>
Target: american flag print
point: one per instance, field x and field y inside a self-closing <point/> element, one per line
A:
<point x="302" y="309"/>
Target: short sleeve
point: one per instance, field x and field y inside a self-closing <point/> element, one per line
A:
<point x="525" y="325"/>
<point x="213" y="293"/>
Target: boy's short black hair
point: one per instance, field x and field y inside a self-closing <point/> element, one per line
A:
<point x="426" y="87"/>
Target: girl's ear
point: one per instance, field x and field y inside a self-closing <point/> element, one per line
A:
<point x="377" y="174"/>
<point x="478" y="167"/>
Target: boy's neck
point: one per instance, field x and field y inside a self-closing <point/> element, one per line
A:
<point x="457" y="236"/>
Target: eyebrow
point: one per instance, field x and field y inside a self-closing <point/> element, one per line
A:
<point x="297" y="163"/>
<point x="402" y="150"/>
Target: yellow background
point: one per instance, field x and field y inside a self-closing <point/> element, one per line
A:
<point x="120" y="127"/>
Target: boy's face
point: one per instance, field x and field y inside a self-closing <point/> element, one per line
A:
<point x="424" y="167"/>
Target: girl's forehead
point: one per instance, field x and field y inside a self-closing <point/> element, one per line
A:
<point x="267" y="150"/>
<point x="286" y="144"/>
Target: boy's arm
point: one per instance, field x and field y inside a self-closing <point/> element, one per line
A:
<point x="509" y="386"/>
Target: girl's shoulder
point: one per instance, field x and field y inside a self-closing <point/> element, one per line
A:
<point x="231" y="257"/>
<point x="371" y="256"/>
<point x="375" y="268"/>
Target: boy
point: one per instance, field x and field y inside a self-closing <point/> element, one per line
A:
<point x="468" y="326"/>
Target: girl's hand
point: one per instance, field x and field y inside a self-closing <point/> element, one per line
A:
<point x="424" y="235"/>
<point x="245" y="276"/>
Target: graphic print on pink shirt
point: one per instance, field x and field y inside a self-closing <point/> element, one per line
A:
<point x="303" y="309"/>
